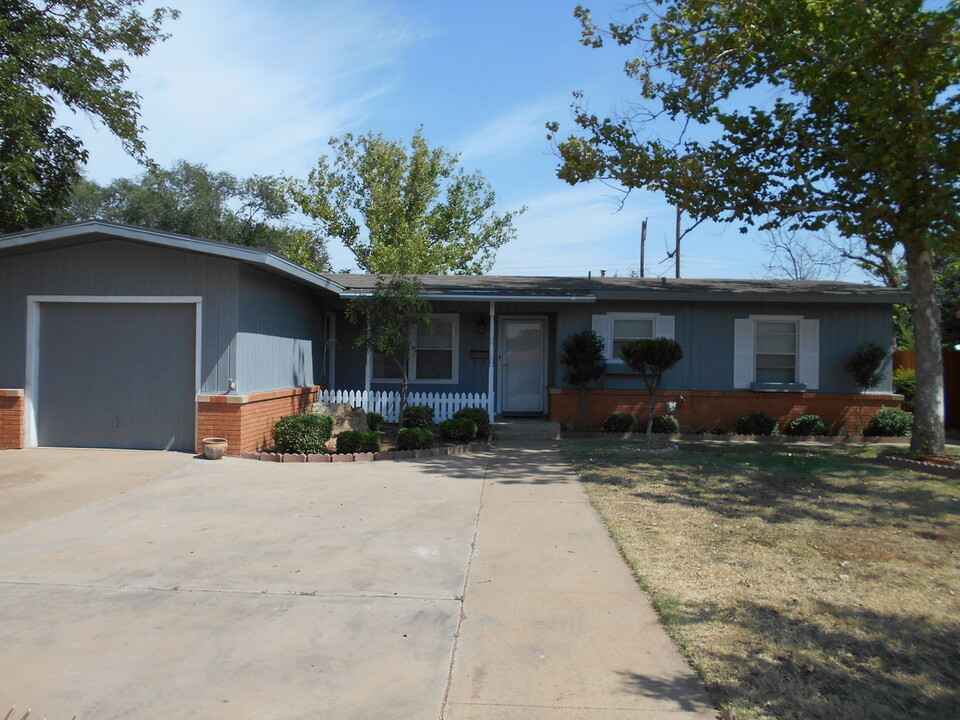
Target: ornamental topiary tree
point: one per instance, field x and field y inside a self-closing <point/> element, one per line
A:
<point x="864" y="365"/>
<point x="583" y="356"/>
<point x="650" y="359"/>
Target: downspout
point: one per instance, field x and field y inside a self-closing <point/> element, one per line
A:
<point x="491" y="359"/>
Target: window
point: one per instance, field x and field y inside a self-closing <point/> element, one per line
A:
<point x="628" y="330"/>
<point x="776" y="351"/>
<point x="616" y="329"/>
<point x="433" y="354"/>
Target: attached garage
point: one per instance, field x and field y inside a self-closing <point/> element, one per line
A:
<point x="121" y="337"/>
<point x="111" y="373"/>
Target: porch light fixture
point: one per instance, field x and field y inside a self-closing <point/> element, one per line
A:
<point x="482" y="326"/>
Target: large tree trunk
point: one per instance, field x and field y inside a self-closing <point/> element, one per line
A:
<point x="928" y="436"/>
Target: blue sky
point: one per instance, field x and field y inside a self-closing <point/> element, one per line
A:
<point x="252" y="87"/>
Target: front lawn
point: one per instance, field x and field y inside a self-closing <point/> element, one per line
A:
<point x="800" y="581"/>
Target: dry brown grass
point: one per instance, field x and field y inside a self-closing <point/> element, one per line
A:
<point x="801" y="582"/>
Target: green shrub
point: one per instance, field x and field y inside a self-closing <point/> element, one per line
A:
<point x="905" y="383"/>
<point x="889" y="422"/>
<point x="358" y="441"/>
<point x="415" y="439"/>
<point x="666" y="424"/>
<point x="620" y="423"/>
<point x="375" y="420"/>
<point x="757" y="423"/>
<point x="458" y="430"/>
<point x="808" y="425"/>
<point x="479" y="416"/>
<point x="417" y="416"/>
<point x="719" y="429"/>
<point x="306" y="433"/>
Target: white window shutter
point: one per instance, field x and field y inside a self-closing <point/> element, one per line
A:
<point x="603" y="327"/>
<point x="743" y="358"/>
<point x="664" y="326"/>
<point x="808" y="357"/>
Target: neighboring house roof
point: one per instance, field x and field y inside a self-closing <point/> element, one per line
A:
<point x="99" y="230"/>
<point x="479" y="288"/>
<point x="587" y="289"/>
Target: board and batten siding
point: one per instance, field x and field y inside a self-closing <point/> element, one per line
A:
<point x="705" y="331"/>
<point x="280" y="333"/>
<point x="122" y="268"/>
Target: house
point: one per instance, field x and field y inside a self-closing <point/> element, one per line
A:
<point x="112" y="336"/>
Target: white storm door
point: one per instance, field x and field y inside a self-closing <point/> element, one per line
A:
<point x="522" y="365"/>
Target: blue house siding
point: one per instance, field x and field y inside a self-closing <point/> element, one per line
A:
<point x="121" y="268"/>
<point x="706" y="333"/>
<point x="280" y="323"/>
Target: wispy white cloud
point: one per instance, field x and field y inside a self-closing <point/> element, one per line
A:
<point x="519" y="128"/>
<point x="259" y="87"/>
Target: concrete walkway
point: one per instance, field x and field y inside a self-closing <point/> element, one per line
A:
<point x="471" y="587"/>
<point x="555" y="627"/>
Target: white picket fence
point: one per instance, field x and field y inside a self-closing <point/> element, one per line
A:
<point x="388" y="403"/>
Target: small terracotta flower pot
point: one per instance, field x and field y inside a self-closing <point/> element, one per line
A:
<point x="214" y="447"/>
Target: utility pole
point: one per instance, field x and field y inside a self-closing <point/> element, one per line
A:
<point x="643" y="244"/>
<point x="676" y="253"/>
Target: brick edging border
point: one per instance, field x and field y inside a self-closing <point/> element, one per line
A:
<point x="763" y="439"/>
<point x="365" y="457"/>
<point x="911" y="464"/>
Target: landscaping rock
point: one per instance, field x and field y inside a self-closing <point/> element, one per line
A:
<point x="319" y="457"/>
<point x="294" y="457"/>
<point x="363" y="457"/>
<point x="403" y="454"/>
<point x="342" y="457"/>
<point x="251" y="455"/>
<point x="271" y="457"/>
<point x="345" y="416"/>
<point x="384" y="455"/>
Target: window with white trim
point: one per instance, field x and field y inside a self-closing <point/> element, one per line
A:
<point x="775" y="346"/>
<point x="625" y="330"/>
<point x="433" y="353"/>
<point x="616" y="329"/>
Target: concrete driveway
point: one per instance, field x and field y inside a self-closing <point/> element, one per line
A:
<point x="155" y="585"/>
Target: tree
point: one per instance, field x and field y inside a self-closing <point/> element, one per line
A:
<point x="796" y="256"/>
<point x="192" y="200"/>
<point x="386" y="317"/>
<point x="862" y="136"/>
<point x="651" y="359"/>
<point x="405" y="212"/>
<point x="68" y="54"/>
<point x="583" y="355"/>
<point x="864" y="366"/>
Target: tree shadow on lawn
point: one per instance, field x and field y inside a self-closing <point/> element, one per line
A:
<point x="836" y="662"/>
<point x="783" y="485"/>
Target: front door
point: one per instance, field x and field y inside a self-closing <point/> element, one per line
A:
<point x="522" y="365"/>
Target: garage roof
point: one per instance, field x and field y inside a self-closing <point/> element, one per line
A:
<point x="98" y="230"/>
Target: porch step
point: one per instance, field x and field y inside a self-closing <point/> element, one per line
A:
<point x="525" y="429"/>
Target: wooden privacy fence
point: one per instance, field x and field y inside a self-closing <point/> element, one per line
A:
<point x="951" y="380"/>
<point x="388" y="403"/>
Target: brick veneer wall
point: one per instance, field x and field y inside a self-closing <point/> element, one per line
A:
<point x="11" y="419"/>
<point x="246" y="421"/>
<point x="707" y="409"/>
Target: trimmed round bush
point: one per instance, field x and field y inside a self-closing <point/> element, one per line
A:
<point x="719" y="429"/>
<point x="354" y="441"/>
<point x="307" y="433"/>
<point x="620" y="423"/>
<point x="666" y="424"/>
<point x="417" y="416"/>
<point x="375" y="420"/>
<point x="757" y="423"/>
<point x="415" y="439"/>
<point x="458" y="430"/>
<point x="808" y="425"/>
<point x="890" y="422"/>
<point x="480" y="418"/>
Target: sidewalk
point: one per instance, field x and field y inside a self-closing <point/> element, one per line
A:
<point x="554" y="625"/>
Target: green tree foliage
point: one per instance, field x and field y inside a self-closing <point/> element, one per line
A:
<point x="651" y="359"/>
<point x="69" y="54"/>
<point x="862" y="134"/>
<point x="583" y="357"/>
<point x="385" y="318"/>
<point x="405" y="211"/>
<point x="192" y="200"/>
